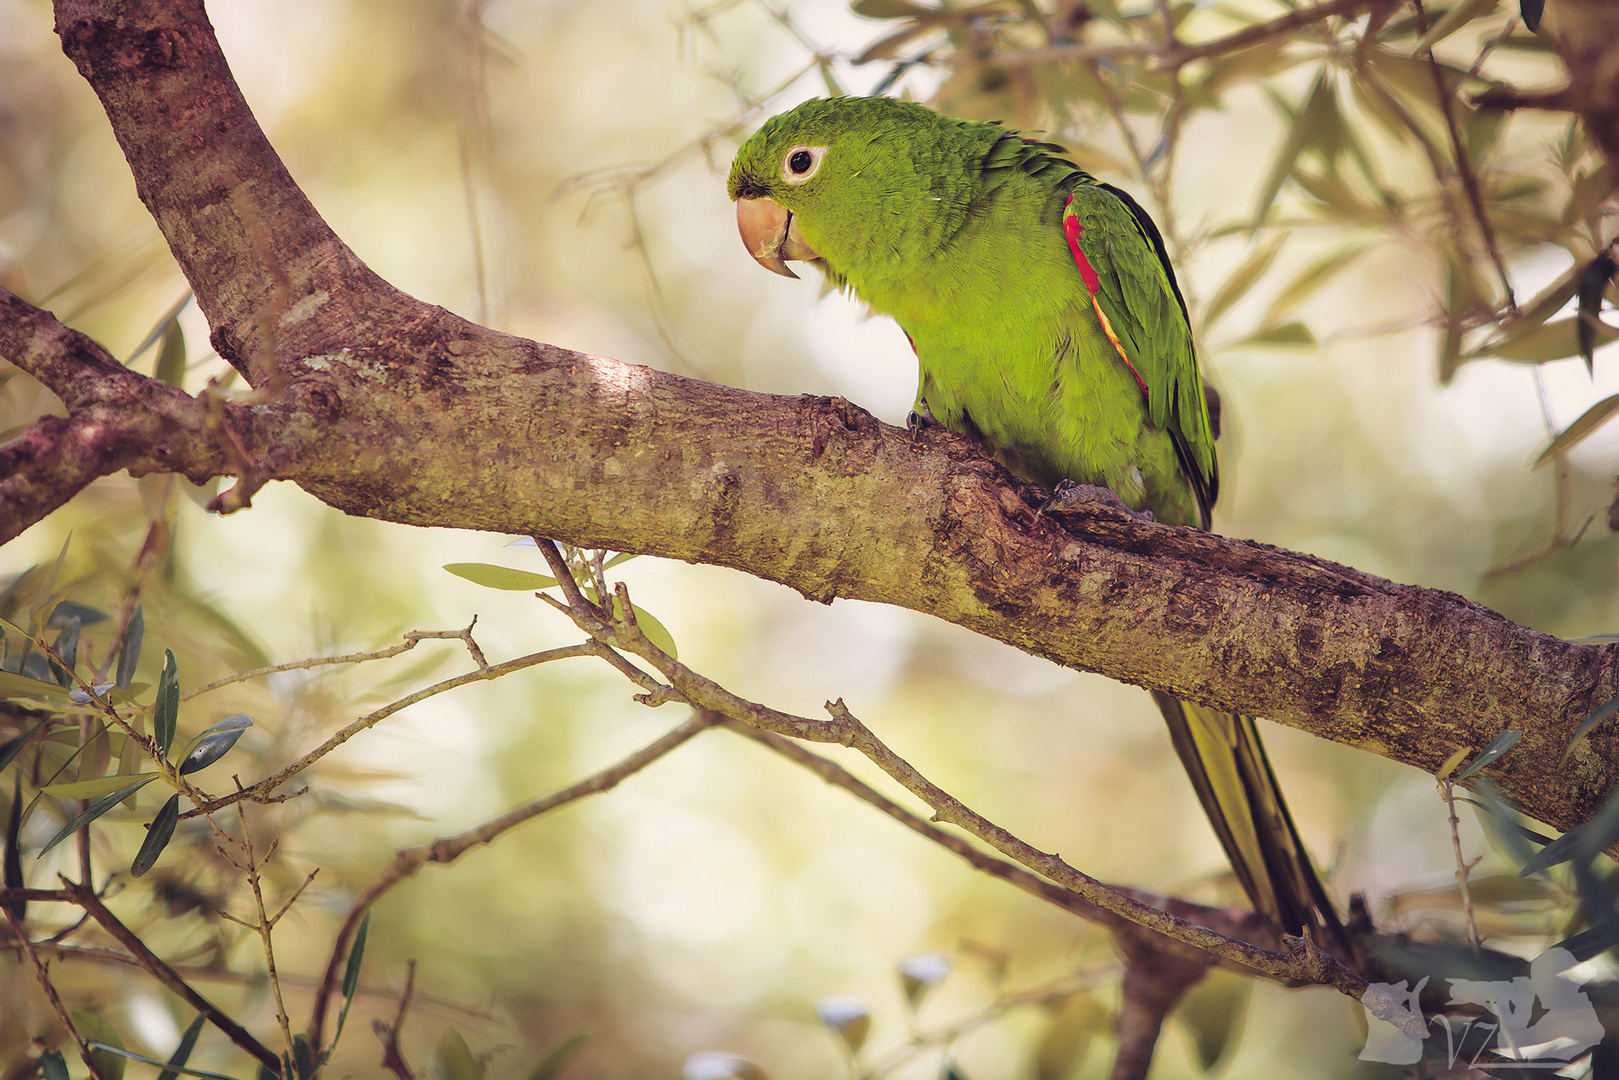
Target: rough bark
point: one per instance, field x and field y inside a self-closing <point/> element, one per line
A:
<point x="387" y="407"/>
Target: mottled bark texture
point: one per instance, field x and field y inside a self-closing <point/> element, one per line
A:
<point x="388" y="407"/>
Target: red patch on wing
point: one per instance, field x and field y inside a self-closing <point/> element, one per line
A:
<point x="1073" y="230"/>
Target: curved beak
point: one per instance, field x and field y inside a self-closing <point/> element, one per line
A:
<point x="770" y="234"/>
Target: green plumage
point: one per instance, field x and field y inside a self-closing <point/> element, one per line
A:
<point x="956" y="229"/>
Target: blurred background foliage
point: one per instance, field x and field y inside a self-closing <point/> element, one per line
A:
<point x="1391" y="369"/>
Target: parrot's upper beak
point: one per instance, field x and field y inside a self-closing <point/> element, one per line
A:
<point x="771" y="235"/>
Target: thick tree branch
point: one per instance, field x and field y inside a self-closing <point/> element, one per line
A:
<point x="391" y="408"/>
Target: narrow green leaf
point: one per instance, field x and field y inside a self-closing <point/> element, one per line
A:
<point x="1068" y="1037"/>
<point x="1242" y="279"/>
<point x="351" y="971"/>
<point x="14" y="686"/>
<point x="833" y="87"/>
<point x="107" y="1051"/>
<point x="159" y="328"/>
<point x="68" y="610"/>
<point x="1580" y="429"/>
<point x="93" y="811"/>
<point x="182" y="1053"/>
<point x="171" y="362"/>
<point x="1583" y="842"/>
<point x="1498" y="746"/>
<point x="1594" y="281"/>
<point x="214" y="742"/>
<point x="158" y="834"/>
<point x="1546" y="303"/>
<point x="1556" y="340"/>
<point x="1213" y="1012"/>
<point x="1310" y="279"/>
<point x="501" y="577"/>
<point x="1452" y="21"/>
<point x="1588" y="192"/>
<point x="565" y="1051"/>
<point x="453" y="1059"/>
<point x="49" y="585"/>
<point x="1287" y="153"/>
<point x="52" y="1066"/>
<point x="166" y="709"/>
<point x="1292" y="335"/>
<point x="169" y="1068"/>
<point x="14" y="748"/>
<point x="891" y="9"/>
<point x="650" y="626"/>
<point x="1593" y="718"/>
<point x="1501" y="822"/>
<point x="129" y="653"/>
<point x="303" y="1061"/>
<point x="94" y="789"/>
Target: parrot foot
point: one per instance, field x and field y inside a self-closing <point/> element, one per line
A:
<point x="1067" y="493"/>
<point x="915" y="422"/>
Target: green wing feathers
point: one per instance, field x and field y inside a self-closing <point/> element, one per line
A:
<point x="1135" y="289"/>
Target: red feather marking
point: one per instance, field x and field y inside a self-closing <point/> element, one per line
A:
<point x="1073" y="230"/>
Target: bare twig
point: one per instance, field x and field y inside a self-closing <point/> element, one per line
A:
<point x="42" y="973"/>
<point x="1235" y="922"/>
<point x="261" y="791"/>
<point x="1562" y="493"/>
<point x="1301" y="961"/>
<point x="1464" y="169"/>
<point x="1447" y="791"/>
<point x="1168" y="57"/>
<point x="265" y="926"/>
<point x="392" y="1059"/>
<point x="447" y="849"/>
<point x="86" y="897"/>
<point x="412" y="639"/>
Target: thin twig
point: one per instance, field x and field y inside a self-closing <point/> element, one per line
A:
<point x="1302" y="961"/>
<point x="1562" y="493"/>
<point x="1182" y="55"/>
<point x="260" y="791"/>
<point x="112" y="957"/>
<point x="447" y="849"/>
<point x="42" y="973"/>
<point x="265" y="926"/>
<point x="392" y="1059"/>
<point x="412" y="639"/>
<point x="1236" y="921"/>
<point x="1464" y="169"/>
<point x="1447" y="791"/>
<point x="86" y="897"/>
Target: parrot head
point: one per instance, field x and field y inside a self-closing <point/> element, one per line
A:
<point x="849" y="183"/>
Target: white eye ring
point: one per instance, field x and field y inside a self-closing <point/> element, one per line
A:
<point x="795" y="156"/>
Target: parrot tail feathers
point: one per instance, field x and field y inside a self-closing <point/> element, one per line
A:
<point x="1226" y="762"/>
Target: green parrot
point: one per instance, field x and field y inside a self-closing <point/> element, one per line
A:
<point x="1049" y="328"/>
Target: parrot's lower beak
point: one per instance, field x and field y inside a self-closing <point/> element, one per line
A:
<point x="771" y="234"/>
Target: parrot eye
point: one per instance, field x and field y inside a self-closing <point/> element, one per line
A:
<point x="801" y="163"/>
